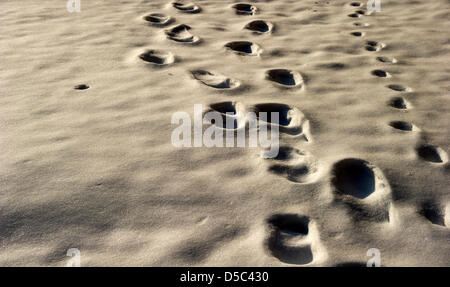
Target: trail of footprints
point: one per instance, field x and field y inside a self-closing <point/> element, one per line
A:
<point x="356" y="183"/>
<point x="425" y="151"/>
<point x="434" y="211"/>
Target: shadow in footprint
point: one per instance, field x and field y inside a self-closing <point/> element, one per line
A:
<point x="224" y="107"/>
<point x="186" y="7"/>
<point x="231" y="114"/>
<point x="354" y="15"/>
<point x="244" y="48"/>
<point x="387" y="60"/>
<point x="245" y="9"/>
<point x="180" y="33"/>
<point x="295" y="165"/>
<point x="401" y="125"/>
<point x="157" y="57"/>
<point x="432" y="154"/>
<point x="374" y="46"/>
<point x="290" y="119"/>
<point x="399" y="103"/>
<point x="363" y="188"/>
<point x="434" y="212"/>
<point x="362" y="12"/>
<point x="353" y="177"/>
<point x="158" y="19"/>
<point x="398" y="88"/>
<point x="380" y="73"/>
<point x="282" y="110"/>
<point x="259" y="27"/>
<point x="357" y="34"/>
<point x="215" y="80"/>
<point x="81" y="87"/>
<point x="301" y="173"/>
<point x="288" y="240"/>
<point x="285" y="78"/>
